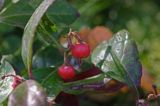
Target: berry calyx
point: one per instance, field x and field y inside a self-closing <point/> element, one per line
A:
<point x="17" y="80"/>
<point x="66" y="72"/>
<point x="80" y="50"/>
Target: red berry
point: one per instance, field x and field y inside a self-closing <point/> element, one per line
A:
<point x="80" y="50"/>
<point x="66" y="72"/>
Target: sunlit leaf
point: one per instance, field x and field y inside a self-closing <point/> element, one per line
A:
<point x="118" y="58"/>
<point x="6" y="83"/>
<point x="28" y="93"/>
<point x="29" y="32"/>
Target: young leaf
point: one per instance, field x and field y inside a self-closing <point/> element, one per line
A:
<point x="29" y="32"/>
<point x="17" y="14"/>
<point x="28" y="93"/>
<point x="121" y="61"/>
<point x="6" y="83"/>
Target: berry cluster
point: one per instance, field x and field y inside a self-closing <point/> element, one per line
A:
<point x="79" y="50"/>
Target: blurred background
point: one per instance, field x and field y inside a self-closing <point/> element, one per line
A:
<point x="140" y="17"/>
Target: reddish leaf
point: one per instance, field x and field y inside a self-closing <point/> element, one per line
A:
<point x="28" y="93"/>
<point x="66" y="99"/>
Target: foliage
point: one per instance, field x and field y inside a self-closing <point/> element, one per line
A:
<point x="118" y="58"/>
<point x="40" y="24"/>
<point x="6" y="83"/>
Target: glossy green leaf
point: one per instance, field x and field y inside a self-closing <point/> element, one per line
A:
<point x="6" y="83"/>
<point x="47" y="57"/>
<point x="29" y="32"/>
<point x="28" y="93"/>
<point x="118" y="58"/>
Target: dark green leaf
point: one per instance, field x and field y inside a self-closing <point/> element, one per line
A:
<point x="53" y="83"/>
<point x="49" y="79"/>
<point x="47" y="57"/>
<point x="29" y="32"/>
<point x="16" y="14"/>
<point x="62" y="12"/>
<point x="28" y="93"/>
<point x="35" y="3"/>
<point x="47" y="34"/>
<point x="6" y="83"/>
<point x="121" y="62"/>
<point x="8" y="45"/>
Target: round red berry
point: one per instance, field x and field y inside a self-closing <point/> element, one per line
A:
<point x="66" y="72"/>
<point x="81" y="50"/>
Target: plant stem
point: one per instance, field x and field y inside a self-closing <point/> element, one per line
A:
<point x="30" y="74"/>
<point x="65" y="59"/>
<point x="69" y="38"/>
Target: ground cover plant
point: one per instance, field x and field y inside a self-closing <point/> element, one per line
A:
<point x="50" y="62"/>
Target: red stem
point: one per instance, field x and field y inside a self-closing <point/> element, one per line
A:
<point x="11" y="75"/>
<point x="69" y="42"/>
<point x="65" y="59"/>
<point x="155" y="89"/>
<point x="30" y="74"/>
<point x="75" y="34"/>
<point x="69" y="38"/>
